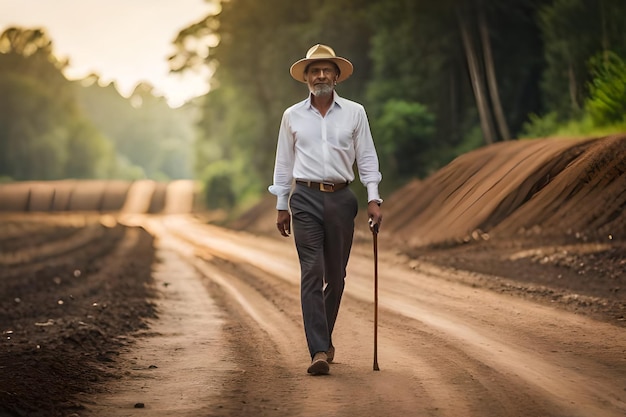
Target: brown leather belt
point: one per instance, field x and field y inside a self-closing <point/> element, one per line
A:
<point x="327" y="187"/>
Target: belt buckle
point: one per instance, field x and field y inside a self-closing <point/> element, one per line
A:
<point x="327" y="187"/>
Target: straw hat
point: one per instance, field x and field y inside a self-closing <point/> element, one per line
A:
<point x="321" y="53"/>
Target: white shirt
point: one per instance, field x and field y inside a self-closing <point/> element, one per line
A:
<point x="324" y="148"/>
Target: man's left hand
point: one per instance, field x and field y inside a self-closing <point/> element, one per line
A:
<point x="374" y="215"/>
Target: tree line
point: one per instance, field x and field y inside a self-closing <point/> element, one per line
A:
<point x="438" y="78"/>
<point x="52" y="128"/>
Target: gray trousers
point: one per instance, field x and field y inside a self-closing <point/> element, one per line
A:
<point x="323" y="228"/>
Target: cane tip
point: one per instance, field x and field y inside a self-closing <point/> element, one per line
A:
<point x="376" y="368"/>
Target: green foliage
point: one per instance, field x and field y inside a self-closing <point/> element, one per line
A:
<point x="219" y="192"/>
<point x="550" y="125"/>
<point x="90" y="154"/>
<point x="399" y="49"/>
<point x="124" y="169"/>
<point x="605" y="106"/>
<point x="232" y="135"/>
<point x="36" y="109"/>
<point x="143" y="129"/>
<point x="51" y="128"/>
<point x="573" y="32"/>
<point x="417" y="57"/>
<point x="404" y="135"/>
<point x="607" y="92"/>
<point x="472" y="140"/>
<point x="567" y="48"/>
<point x="541" y="127"/>
<point x="33" y="139"/>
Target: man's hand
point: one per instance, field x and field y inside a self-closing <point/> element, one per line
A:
<point x="283" y="222"/>
<point x="374" y="215"/>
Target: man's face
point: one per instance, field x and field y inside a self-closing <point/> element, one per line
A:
<point x="321" y="77"/>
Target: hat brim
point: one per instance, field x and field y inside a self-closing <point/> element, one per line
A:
<point x="345" y="68"/>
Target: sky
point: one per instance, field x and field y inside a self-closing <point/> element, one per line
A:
<point x="125" y="41"/>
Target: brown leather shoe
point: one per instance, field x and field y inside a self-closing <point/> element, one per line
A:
<point x="330" y="355"/>
<point x="319" y="364"/>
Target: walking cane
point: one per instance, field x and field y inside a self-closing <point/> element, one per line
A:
<point x="375" y="237"/>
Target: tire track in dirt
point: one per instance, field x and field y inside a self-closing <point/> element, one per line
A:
<point x="178" y="366"/>
<point x="77" y="232"/>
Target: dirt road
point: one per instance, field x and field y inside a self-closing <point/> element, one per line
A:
<point x="229" y="341"/>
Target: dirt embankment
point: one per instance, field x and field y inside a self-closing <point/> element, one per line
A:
<point x="555" y="188"/>
<point x="542" y="219"/>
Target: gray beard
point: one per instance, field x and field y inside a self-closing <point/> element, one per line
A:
<point x="322" y="90"/>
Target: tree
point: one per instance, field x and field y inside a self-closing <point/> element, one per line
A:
<point x="404" y="135"/>
<point x="572" y="33"/>
<point x="33" y="138"/>
<point x="154" y="140"/>
<point x="607" y="96"/>
<point x="44" y="132"/>
<point x="490" y="74"/>
<point x="35" y="107"/>
<point x="90" y="154"/>
<point x="477" y="79"/>
<point x="582" y="38"/>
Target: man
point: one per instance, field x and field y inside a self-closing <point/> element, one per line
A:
<point x="319" y="141"/>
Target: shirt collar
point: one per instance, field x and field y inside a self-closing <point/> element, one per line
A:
<point x="336" y="99"/>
